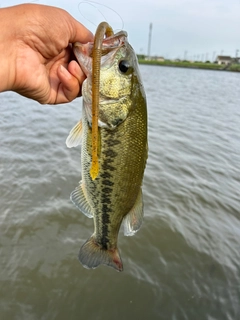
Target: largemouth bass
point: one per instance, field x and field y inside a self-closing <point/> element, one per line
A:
<point x="115" y="194"/>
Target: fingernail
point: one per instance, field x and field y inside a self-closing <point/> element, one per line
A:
<point x="65" y="72"/>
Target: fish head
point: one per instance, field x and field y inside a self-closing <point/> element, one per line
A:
<point x="119" y="79"/>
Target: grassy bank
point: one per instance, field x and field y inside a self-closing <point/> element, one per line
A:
<point x="195" y="65"/>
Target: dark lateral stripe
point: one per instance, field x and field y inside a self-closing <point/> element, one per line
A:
<point x="107" y="182"/>
<point x="112" y="142"/>
<point x="105" y="222"/>
<point x="106" y="166"/>
<point x="104" y="239"/>
<point x="106" y="175"/>
<point x="107" y="189"/>
<point x="110" y="153"/>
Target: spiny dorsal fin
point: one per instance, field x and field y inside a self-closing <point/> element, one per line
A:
<point x="80" y="201"/>
<point x="74" y="138"/>
<point x="133" y="220"/>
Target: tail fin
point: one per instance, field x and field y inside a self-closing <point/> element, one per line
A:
<point x="92" y="255"/>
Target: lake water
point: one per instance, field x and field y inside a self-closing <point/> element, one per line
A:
<point x="184" y="263"/>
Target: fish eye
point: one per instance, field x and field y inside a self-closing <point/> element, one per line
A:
<point x="125" y="67"/>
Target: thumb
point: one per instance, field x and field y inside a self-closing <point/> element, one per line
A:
<point x="79" y="32"/>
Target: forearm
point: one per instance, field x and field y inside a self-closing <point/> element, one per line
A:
<point x="7" y="50"/>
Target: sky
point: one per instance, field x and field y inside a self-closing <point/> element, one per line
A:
<point x="184" y="29"/>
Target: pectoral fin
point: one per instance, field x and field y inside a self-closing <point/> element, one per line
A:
<point x="133" y="220"/>
<point x="74" y="138"/>
<point x="80" y="201"/>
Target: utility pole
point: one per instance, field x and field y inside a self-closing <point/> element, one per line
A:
<point x="149" y="40"/>
<point x="213" y="56"/>
<point x="185" y="55"/>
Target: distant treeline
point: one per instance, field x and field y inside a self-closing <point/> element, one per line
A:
<point x="187" y="64"/>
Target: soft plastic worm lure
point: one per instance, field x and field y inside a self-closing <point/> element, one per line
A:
<point x="102" y="30"/>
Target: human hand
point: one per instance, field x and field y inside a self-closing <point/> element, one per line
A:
<point x="35" y="53"/>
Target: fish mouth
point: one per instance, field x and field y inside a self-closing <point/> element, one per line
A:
<point x="108" y="44"/>
<point x="83" y="51"/>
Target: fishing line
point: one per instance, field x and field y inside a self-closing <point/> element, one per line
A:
<point x="100" y="11"/>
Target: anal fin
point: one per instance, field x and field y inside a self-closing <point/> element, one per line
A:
<point x="133" y="220"/>
<point x="80" y="201"/>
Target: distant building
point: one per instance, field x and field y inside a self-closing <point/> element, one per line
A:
<point x="224" y="59"/>
<point x="156" y="58"/>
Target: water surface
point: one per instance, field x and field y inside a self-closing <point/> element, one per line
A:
<point x="184" y="263"/>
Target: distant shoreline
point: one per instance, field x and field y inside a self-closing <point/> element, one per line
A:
<point x="192" y="65"/>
